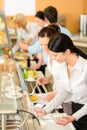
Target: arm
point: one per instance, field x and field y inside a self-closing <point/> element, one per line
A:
<point x="83" y="111"/>
<point x="57" y="100"/>
<point x="35" y="48"/>
<point x="37" y="66"/>
<point x="53" y="104"/>
<point x="28" y="40"/>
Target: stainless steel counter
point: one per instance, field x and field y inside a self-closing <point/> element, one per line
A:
<point x="81" y="43"/>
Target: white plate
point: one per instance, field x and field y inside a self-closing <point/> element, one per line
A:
<point x="13" y="95"/>
<point x="20" y="56"/>
<point x="47" y="122"/>
<point x="13" y="89"/>
<point x="30" y="79"/>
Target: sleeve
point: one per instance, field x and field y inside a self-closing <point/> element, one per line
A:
<point x="57" y="100"/>
<point x="33" y="29"/>
<point x="83" y="111"/>
<point x="86" y="75"/>
<point x="19" y="34"/>
<point x="35" y="48"/>
<point x="80" y="113"/>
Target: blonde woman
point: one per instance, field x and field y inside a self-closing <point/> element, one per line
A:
<point x="27" y="31"/>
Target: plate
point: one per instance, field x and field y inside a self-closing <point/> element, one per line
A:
<point x="13" y="89"/>
<point x="23" y="64"/>
<point x="47" y="122"/>
<point x="30" y="79"/>
<point x="30" y="75"/>
<point x="12" y="95"/>
<point x="20" y="56"/>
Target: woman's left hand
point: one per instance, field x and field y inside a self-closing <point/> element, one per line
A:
<point x="40" y="111"/>
<point x="64" y="120"/>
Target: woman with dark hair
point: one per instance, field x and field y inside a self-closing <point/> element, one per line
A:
<point x="62" y="46"/>
<point x="44" y="36"/>
<point x="40" y="19"/>
<point x="73" y="80"/>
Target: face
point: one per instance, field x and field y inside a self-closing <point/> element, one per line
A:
<point x="18" y="24"/>
<point x="39" y="21"/>
<point x="44" y="43"/>
<point x="60" y="57"/>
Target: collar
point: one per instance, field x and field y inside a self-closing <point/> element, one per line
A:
<point x="79" y="64"/>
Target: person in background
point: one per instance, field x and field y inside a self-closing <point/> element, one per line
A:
<point x="40" y="19"/>
<point x="73" y="80"/>
<point x="51" y="17"/>
<point x="27" y="32"/>
<point x="41" y="62"/>
<point x="27" y="37"/>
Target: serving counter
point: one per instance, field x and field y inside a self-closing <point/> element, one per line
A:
<point x="16" y="108"/>
<point x="13" y="115"/>
<point x="81" y="43"/>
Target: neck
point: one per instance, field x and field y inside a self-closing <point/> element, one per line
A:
<point x="72" y="59"/>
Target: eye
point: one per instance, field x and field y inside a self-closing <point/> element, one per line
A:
<point x="55" y="55"/>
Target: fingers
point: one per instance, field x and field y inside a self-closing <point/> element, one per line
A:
<point x="40" y="111"/>
<point x="61" y="121"/>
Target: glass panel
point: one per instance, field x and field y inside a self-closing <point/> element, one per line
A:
<point x="4" y="38"/>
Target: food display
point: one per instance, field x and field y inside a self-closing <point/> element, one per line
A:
<point x="13" y="89"/>
<point x="34" y="97"/>
<point x="4" y="38"/>
<point x="20" y="56"/>
<point x="30" y="75"/>
<point x="23" y="64"/>
<point x="13" y="95"/>
<point x="2" y="24"/>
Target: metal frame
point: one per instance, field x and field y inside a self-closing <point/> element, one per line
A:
<point x="8" y="44"/>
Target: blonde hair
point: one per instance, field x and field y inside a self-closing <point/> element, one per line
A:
<point x="21" y="18"/>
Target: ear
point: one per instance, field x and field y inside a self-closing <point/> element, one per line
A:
<point x="67" y="51"/>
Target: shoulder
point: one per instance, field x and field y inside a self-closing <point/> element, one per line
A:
<point x="33" y="25"/>
<point x="84" y="63"/>
<point x="66" y="31"/>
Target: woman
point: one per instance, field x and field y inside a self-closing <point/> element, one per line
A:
<point x="28" y="36"/>
<point x="27" y="32"/>
<point x="44" y="36"/>
<point x="52" y="78"/>
<point x="73" y="80"/>
<point x="40" y="19"/>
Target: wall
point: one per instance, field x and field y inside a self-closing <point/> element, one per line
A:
<point x="70" y="8"/>
<point x="85" y="7"/>
<point x="67" y="7"/>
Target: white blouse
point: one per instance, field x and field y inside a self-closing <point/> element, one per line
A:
<point x="54" y="70"/>
<point x="76" y="86"/>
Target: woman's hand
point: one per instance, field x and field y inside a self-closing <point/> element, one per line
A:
<point x="40" y="111"/>
<point x="49" y="96"/>
<point x="42" y="80"/>
<point x="34" y="67"/>
<point x="64" y="120"/>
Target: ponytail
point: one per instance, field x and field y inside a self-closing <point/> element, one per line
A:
<point x="81" y="53"/>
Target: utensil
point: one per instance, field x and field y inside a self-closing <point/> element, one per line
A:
<point x="33" y="91"/>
